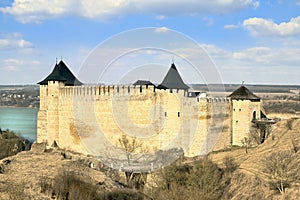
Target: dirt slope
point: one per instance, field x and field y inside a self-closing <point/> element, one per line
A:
<point x="250" y="179"/>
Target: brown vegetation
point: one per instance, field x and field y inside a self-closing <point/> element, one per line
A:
<point x="11" y="144"/>
<point x="268" y="171"/>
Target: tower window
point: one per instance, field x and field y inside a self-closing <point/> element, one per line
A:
<point x="237" y="121"/>
<point x="254" y="115"/>
<point x="178" y="114"/>
<point x="240" y="110"/>
<point x="234" y="109"/>
<point x="165" y="114"/>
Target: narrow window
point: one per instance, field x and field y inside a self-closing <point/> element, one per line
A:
<point x="236" y="121"/>
<point x="165" y="114"/>
<point x="240" y="110"/>
<point x="234" y="109"/>
<point x="254" y="115"/>
<point x="178" y="114"/>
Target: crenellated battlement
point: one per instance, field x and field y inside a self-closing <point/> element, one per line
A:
<point x="112" y="90"/>
<point x="67" y="92"/>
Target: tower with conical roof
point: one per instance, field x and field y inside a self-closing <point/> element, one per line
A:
<point x="173" y="80"/>
<point x="245" y="107"/>
<point x="48" y="115"/>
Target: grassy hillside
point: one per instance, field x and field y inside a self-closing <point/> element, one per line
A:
<point x="251" y="177"/>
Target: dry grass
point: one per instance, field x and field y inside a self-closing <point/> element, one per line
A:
<point x="285" y="136"/>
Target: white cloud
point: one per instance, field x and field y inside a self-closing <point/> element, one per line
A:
<point x="260" y="64"/>
<point x="38" y="10"/>
<point x="231" y="26"/>
<point x="267" y="27"/>
<point x="35" y="62"/>
<point x="162" y="30"/>
<point x="14" y="41"/>
<point x="208" y="21"/>
<point x="9" y="68"/>
<point x="215" y="51"/>
<point x="13" y="61"/>
<point x="160" y="17"/>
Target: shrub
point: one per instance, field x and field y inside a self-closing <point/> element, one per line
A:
<point x="230" y="165"/>
<point x="68" y="186"/>
<point x="202" y="180"/>
<point x="282" y="170"/>
<point x="289" y="123"/>
<point x="11" y="144"/>
<point x="119" y="194"/>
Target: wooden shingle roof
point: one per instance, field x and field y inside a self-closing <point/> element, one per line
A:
<point x="173" y="80"/>
<point x="61" y="73"/>
<point x="243" y="93"/>
<point x="143" y="82"/>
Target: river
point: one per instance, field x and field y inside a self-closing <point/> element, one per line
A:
<point x="22" y="121"/>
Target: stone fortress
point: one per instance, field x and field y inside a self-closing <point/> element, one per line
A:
<point x="164" y="116"/>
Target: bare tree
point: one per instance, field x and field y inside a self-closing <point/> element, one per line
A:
<point x="246" y="143"/>
<point x="130" y="146"/>
<point x="282" y="170"/>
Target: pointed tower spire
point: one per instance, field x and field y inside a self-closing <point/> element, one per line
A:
<point x="173" y="80"/>
<point x="61" y="73"/>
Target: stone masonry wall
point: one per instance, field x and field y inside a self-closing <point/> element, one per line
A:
<point x="160" y="119"/>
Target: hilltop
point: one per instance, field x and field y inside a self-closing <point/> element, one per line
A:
<point x="28" y="173"/>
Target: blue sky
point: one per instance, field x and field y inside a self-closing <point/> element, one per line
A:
<point x="247" y="40"/>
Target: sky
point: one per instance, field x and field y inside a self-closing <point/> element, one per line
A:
<point x="216" y="41"/>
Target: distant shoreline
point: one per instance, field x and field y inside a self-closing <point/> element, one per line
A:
<point x="18" y="107"/>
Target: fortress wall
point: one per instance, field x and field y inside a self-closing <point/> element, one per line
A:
<point x="220" y="125"/>
<point x="126" y="110"/>
<point x="42" y="126"/>
<point x="42" y="115"/>
<point x="139" y="112"/>
<point x="196" y="126"/>
<point x="165" y="118"/>
<point x="68" y="134"/>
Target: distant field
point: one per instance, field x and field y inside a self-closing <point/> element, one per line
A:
<point x="253" y="88"/>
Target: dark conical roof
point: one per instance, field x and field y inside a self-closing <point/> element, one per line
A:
<point x="173" y="80"/>
<point x="143" y="82"/>
<point x="243" y="93"/>
<point x="61" y="73"/>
